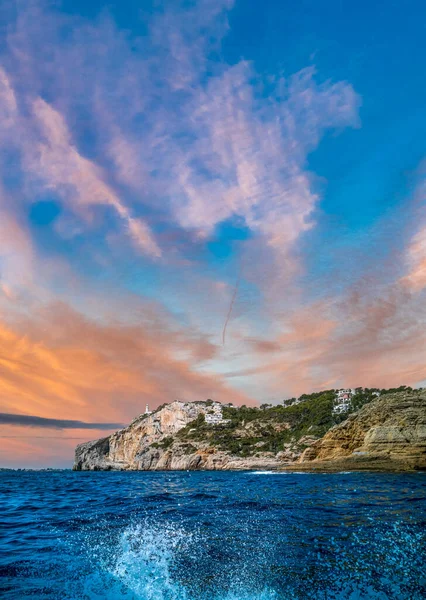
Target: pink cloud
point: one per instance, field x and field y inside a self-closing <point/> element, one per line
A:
<point x="52" y="161"/>
<point x="415" y="251"/>
<point x="59" y="164"/>
<point x="59" y="363"/>
<point x="16" y="253"/>
<point x="208" y="150"/>
<point x="369" y="336"/>
<point x="8" y="104"/>
<point x="415" y="279"/>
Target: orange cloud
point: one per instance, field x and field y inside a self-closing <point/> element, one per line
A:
<point x="60" y="364"/>
<point x="34" y="447"/>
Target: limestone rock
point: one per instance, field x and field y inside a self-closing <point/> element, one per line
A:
<point x="387" y="433"/>
<point x="390" y="429"/>
<point x="150" y="443"/>
<point x="137" y="446"/>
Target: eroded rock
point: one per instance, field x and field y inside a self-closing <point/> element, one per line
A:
<point x="391" y="428"/>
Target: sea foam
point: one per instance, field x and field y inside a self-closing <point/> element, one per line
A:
<point x="146" y="564"/>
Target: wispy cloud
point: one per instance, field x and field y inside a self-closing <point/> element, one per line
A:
<point x="180" y="140"/>
<point x="373" y="335"/>
<point x="16" y="253"/>
<point x="415" y="277"/>
<point x="249" y="152"/>
<point x="197" y="149"/>
<point x="52" y="161"/>
<point x="416" y="258"/>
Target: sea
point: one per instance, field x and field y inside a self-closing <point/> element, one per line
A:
<point x="212" y="535"/>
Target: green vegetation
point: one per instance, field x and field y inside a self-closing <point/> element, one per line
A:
<point x="401" y="388"/>
<point x="166" y="443"/>
<point x="272" y="428"/>
<point x="189" y="449"/>
<point x="251" y="430"/>
<point x="363" y="396"/>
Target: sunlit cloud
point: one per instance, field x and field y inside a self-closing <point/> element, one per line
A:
<point x="60" y="364"/>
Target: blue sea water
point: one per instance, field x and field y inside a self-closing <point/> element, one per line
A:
<point x="212" y="536"/>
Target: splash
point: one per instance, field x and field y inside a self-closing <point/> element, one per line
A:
<point x="241" y="547"/>
<point x="145" y="558"/>
<point x="157" y="561"/>
<point x="149" y="563"/>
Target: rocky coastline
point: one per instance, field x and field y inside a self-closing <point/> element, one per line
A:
<point x="387" y="434"/>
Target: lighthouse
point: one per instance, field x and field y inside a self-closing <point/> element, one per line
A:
<point x="147" y="411"/>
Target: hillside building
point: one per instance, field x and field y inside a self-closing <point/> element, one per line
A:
<point x="343" y="401"/>
<point x="214" y="415"/>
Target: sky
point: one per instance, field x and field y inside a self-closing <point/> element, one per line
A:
<point x="205" y="199"/>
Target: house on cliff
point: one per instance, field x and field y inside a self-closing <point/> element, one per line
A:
<point x="214" y="416"/>
<point x="343" y="401"/>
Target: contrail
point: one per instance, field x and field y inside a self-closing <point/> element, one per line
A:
<point x="228" y="316"/>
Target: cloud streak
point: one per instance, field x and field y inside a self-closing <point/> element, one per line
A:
<point x="34" y="421"/>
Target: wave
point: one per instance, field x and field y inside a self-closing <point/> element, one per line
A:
<point x="142" y="563"/>
<point x="165" y="561"/>
<point x="147" y="564"/>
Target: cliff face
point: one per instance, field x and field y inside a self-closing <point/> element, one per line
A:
<point x="131" y="448"/>
<point x="387" y="433"/>
<point x="391" y="430"/>
<point x="150" y="443"/>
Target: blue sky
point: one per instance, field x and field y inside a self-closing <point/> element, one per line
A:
<point x="166" y="165"/>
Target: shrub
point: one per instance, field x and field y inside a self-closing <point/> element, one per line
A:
<point x="166" y="443"/>
<point x="312" y="416"/>
<point x="189" y="449"/>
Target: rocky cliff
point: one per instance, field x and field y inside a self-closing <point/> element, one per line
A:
<point x="151" y="442"/>
<point x="389" y="432"/>
<point x="142" y="445"/>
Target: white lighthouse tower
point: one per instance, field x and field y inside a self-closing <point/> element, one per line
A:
<point x="147" y="411"/>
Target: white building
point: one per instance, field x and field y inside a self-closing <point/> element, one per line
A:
<point x="343" y="401"/>
<point x="147" y="411"/>
<point x="345" y="393"/>
<point x="214" y="416"/>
